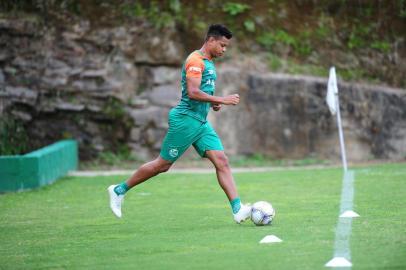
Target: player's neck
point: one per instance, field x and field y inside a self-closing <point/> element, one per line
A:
<point x="205" y="53"/>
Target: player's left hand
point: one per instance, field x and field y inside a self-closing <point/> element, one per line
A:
<point x="216" y="107"/>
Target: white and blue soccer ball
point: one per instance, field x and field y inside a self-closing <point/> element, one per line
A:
<point x="262" y="213"/>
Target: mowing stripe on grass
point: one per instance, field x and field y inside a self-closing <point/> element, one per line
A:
<point x="342" y="251"/>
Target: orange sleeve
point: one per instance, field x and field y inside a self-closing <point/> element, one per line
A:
<point x="194" y="67"/>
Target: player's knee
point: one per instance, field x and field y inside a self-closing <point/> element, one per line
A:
<point x="222" y="162"/>
<point x="164" y="168"/>
<point x="160" y="166"/>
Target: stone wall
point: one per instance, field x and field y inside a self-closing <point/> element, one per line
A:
<point x="113" y="87"/>
<point x="287" y="117"/>
<point x="103" y="86"/>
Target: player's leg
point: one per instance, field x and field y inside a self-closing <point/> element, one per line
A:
<point x="209" y="145"/>
<point x="148" y="170"/>
<point x="223" y="171"/>
<point x="179" y="137"/>
<point x="225" y="178"/>
<point x="144" y="172"/>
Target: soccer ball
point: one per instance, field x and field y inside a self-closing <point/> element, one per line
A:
<point x="262" y="213"/>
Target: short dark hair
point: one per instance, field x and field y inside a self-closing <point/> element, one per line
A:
<point x="218" y="31"/>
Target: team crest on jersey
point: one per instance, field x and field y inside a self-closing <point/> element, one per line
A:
<point x="211" y="71"/>
<point x="173" y="152"/>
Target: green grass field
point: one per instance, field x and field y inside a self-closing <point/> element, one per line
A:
<point x="179" y="221"/>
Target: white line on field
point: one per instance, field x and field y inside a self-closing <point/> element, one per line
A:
<point x="200" y="170"/>
<point x="342" y="251"/>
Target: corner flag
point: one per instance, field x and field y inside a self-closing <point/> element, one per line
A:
<point x="334" y="106"/>
<point x="332" y="90"/>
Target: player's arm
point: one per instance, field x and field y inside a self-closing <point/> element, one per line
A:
<point x="194" y="92"/>
<point x="194" y="70"/>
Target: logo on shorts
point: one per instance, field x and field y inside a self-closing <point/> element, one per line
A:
<point x="173" y="152"/>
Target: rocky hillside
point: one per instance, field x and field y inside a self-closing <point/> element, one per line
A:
<point x="107" y="74"/>
<point x="92" y="85"/>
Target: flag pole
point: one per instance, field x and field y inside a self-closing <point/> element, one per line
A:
<point x="333" y="103"/>
<point x="340" y="133"/>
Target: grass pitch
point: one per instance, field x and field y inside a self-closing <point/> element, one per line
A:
<point x="179" y="221"/>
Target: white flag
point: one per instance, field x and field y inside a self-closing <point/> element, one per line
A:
<point x="332" y="91"/>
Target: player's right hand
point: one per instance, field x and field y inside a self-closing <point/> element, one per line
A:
<point x="231" y="99"/>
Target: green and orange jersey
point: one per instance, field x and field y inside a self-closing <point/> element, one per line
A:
<point x="197" y="66"/>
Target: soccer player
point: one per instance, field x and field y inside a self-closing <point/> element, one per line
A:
<point x="188" y="125"/>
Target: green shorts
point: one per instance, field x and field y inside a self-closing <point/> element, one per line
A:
<point x="185" y="131"/>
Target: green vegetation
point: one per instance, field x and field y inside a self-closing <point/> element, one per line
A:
<point x="155" y="13"/>
<point x="278" y="64"/>
<point x="309" y="33"/>
<point x="402" y="8"/>
<point x="299" y="44"/>
<point x="233" y="8"/>
<point x="180" y="221"/>
<point x="122" y="158"/>
<point x="13" y="137"/>
<point x="383" y="46"/>
<point x="283" y="29"/>
<point x="114" y="108"/>
<point x="249" y="25"/>
<point x="365" y="36"/>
